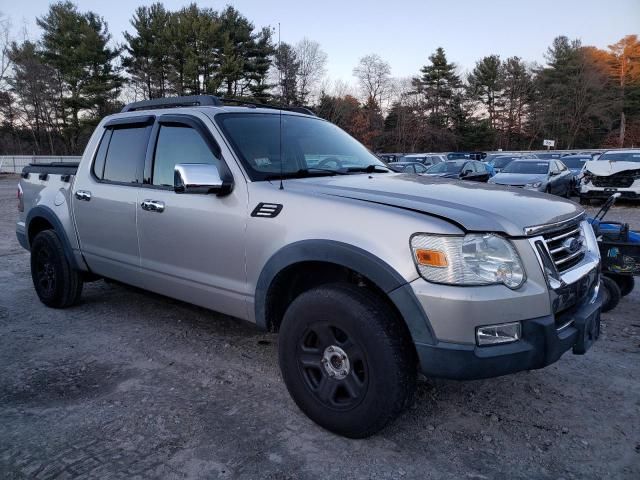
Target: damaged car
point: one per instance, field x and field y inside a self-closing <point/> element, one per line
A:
<point x="616" y="171"/>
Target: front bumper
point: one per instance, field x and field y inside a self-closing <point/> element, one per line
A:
<point x="541" y="345"/>
<point x="555" y="315"/>
<point x="605" y="193"/>
<point x="632" y="192"/>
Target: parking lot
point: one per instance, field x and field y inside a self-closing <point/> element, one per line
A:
<point x="130" y="384"/>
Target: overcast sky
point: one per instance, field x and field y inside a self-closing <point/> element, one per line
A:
<point x="403" y="32"/>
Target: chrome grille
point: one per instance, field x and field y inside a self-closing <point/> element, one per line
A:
<point x="566" y="246"/>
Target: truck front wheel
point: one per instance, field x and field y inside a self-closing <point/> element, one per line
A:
<point x="57" y="284"/>
<point x="346" y="359"/>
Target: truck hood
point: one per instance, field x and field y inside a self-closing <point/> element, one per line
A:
<point x="471" y="205"/>
<point x="518" y="178"/>
<point x="605" y="168"/>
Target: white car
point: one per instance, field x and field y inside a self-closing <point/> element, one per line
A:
<point x="615" y="171"/>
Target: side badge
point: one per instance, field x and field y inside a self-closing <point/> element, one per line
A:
<point x="267" y="210"/>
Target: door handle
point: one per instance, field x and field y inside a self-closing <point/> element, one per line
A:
<point x="152" y="206"/>
<point x="83" y="195"/>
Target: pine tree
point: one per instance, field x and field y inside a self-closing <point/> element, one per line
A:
<point x="148" y="50"/>
<point x="571" y="96"/>
<point x="624" y="69"/>
<point x="75" y="46"/>
<point x="438" y="84"/>
<point x="236" y="41"/>
<point x="486" y="83"/>
<point x="258" y="65"/>
<point x="514" y="103"/>
<point x="287" y="65"/>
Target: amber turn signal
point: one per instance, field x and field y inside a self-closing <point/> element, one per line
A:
<point x="431" y="258"/>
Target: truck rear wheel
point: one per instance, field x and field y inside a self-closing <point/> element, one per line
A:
<point x="346" y="359"/>
<point x="57" y="284"/>
<point x="610" y="293"/>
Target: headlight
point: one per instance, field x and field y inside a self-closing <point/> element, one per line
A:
<point x="475" y="259"/>
<point x="533" y="185"/>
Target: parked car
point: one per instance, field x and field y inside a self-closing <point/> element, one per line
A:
<point x="467" y="155"/>
<point x="576" y="163"/>
<point x="426" y="159"/>
<point x="547" y="155"/>
<point x="216" y="205"/>
<point x="408" y="167"/>
<point x="549" y="176"/>
<point x="614" y="171"/>
<point x="472" y="170"/>
<point x="499" y="162"/>
<point x="390" y="157"/>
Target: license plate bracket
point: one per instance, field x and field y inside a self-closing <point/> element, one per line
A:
<point x="588" y="333"/>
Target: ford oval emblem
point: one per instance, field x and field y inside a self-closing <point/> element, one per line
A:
<point x="572" y="245"/>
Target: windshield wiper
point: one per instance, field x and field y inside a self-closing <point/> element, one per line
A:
<point x="306" y="172"/>
<point x="369" y="169"/>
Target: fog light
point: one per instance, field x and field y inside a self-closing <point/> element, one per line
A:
<point x="494" y="334"/>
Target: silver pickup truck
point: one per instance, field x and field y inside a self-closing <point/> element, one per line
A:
<point x="282" y="219"/>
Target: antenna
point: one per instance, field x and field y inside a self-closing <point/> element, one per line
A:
<point x="280" y="112"/>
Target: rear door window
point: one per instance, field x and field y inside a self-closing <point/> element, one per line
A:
<point x="125" y="153"/>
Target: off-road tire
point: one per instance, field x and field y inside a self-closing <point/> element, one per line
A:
<point x="383" y="366"/>
<point x="610" y="293"/>
<point x="57" y="284"/>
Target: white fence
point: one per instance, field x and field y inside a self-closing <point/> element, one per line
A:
<point x="15" y="163"/>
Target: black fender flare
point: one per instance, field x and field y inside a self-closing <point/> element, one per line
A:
<point x="385" y="277"/>
<point x="42" y="211"/>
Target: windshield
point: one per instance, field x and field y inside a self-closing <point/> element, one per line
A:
<point x="527" y="167"/>
<point x="620" y="156"/>
<point x="307" y="144"/>
<point x="575" y="162"/>
<point x="502" y="162"/>
<point x="447" y="167"/>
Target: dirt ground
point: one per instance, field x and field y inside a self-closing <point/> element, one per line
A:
<point x="134" y="385"/>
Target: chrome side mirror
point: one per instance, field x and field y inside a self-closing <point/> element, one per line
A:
<point x="199" y="178"/>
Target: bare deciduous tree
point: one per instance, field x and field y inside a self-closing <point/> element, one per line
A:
<point x="374" y="78"/>
<point x="312" y="60"/>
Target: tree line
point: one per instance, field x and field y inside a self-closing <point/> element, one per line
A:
<point x="583" y="97"/>
<point x="54" y="90"/>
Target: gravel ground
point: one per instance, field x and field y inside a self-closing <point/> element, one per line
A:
<point x="134" y="385"/>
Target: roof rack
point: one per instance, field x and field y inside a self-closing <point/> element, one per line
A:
<point x="173" y="102"/>
<point x="202" y="100"/>
<point x="241" y="101"/>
